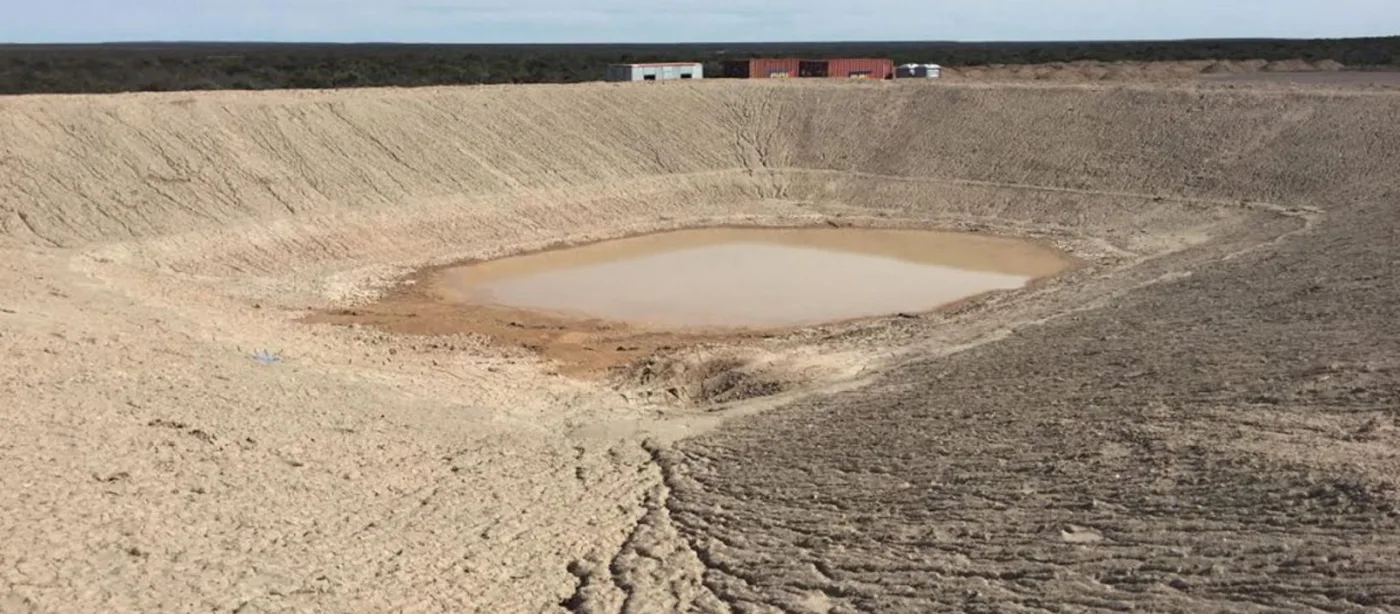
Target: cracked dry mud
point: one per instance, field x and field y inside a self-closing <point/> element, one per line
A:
<point x="1202" y="417"/>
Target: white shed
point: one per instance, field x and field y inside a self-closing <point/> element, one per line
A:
<point x="919" y="71"/>
<point x="656" y="72"/>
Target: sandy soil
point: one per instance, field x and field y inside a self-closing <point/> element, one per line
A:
<point x="1255" y="72"/>
<point x="1356" y="78"/>
<point x="1201" y="418"/>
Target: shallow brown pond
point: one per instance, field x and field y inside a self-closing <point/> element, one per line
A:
<point x="758" y="278"/>
<point x="602" y="306"/>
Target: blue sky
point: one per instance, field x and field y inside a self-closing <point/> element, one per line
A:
<point x="508" y="21"/>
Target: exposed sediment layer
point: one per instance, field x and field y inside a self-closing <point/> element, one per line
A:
<point x="1231" y="333"/>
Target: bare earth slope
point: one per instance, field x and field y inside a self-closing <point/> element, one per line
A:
<point x="1226" y="442"/>
<point x="1202" y="418"/>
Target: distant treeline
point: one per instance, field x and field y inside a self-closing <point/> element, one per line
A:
<point x="200" y="66"/>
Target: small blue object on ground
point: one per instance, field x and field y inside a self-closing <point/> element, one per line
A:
<point x="266" y="358"/>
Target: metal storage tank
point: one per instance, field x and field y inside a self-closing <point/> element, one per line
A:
<point x="919" y="71"/>
<point x="861" y="68"/>
<point x="762" y="68"/>
<point x="659" y="71"/>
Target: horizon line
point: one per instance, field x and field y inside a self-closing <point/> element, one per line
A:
<point x="688" y="43"/>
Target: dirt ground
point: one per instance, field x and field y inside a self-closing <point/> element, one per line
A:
<point x="1206" y="72"/>
<point x="1201" y="417"/>
<point x="1093" y="70"/>
<point x="1355" y="78"/>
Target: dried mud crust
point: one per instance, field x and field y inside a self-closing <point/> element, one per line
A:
<point x="1202" y="445"/>
<point x="584" y="348"/>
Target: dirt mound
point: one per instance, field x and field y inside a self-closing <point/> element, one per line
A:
<point x="1086" y="71"/>
<point x="1287" y="66"/>
<point x="1223" y="67"/>
<point x="1223" y="361"/>
<point x="705" y="379"/>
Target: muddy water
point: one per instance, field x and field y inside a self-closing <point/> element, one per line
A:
<point x="755" y="278"/>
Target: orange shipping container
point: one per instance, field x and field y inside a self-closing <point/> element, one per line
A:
<point x="762" y="68"/>
<point x="860" y="69"/>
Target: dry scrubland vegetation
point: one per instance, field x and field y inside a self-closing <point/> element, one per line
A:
<point x="169" y="67"/>
<point x="1200" y="419"/>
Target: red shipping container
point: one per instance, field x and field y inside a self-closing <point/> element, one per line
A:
<point x="861" y="68"/>
<point x="773" y="68"/>
<point x="765" y="68"/>
<point x="762" y="68"/>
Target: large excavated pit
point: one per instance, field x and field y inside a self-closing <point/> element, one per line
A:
<point x="419" y="336"/>
<point x="328" y="206"/>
